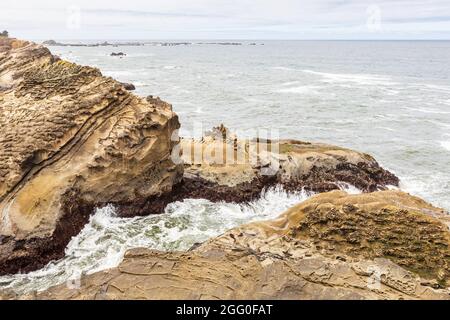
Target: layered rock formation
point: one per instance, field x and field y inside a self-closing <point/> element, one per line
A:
<point x="223" y="166"/>
<point x="384" y="245"/>
<point x="71" y="139"/>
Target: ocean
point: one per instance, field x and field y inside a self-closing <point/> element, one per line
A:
<point x="390" y="99"/>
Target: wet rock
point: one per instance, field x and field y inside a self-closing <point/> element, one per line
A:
<point x="118" y="54"/>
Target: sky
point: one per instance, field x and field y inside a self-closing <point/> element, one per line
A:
<point x="226" y="19"/>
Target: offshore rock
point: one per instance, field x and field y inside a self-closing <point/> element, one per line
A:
<point x="384" y="245"/>
<point x="71" y="140"/>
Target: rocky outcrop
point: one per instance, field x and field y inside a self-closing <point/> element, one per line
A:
<point x="223" y="166"/>
<point x="384" y="245"/>
<point x="71" y="139"/>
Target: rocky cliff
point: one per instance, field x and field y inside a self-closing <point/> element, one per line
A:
<point x="384" y="245"/>
<point x="71" y="139"/>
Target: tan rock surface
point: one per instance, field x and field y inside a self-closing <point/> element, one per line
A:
<point x="385" y="245"/>
<point x="71" y="139"/>
<point x="223" y="158"/>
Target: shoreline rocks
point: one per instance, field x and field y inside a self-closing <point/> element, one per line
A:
<point x="320" y="249"/>
<point x="71" y="139"/>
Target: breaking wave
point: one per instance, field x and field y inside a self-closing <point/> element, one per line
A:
<point x="104" y="240"/>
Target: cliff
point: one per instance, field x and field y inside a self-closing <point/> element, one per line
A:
<point x="70" y="140"/>
<point x="384" y="245"/>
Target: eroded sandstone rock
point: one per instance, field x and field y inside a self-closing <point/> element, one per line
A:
<point x="234" y="168"/>
<point x="71" y="139"/>
<point x="316" y="250"/>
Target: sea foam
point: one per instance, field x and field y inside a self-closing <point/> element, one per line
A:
<point x="445" y="145"/>
<point x="105" y="239"/>
<point x="361" y="79"/>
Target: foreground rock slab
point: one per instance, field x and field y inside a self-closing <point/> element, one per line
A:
<point x="384" y="245"/>
<point x="70" y="140"/>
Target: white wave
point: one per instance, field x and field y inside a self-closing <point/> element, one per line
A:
<point x="300" y="90"/>
<point x="445" y="145"/>
<point x="361" y="79"/>
<point x="118" y="74"/>
<point x="170" y="67"/>
<point x="104" y="240"/>
<point x="391" y="187"/>
<point x="140" y="55"/>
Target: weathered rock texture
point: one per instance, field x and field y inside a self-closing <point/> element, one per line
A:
<point x="223" y="166"/>
<point x="71" y="139"/>
<point x="384" y="245"/>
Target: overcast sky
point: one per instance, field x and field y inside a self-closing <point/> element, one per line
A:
<point x="226" y="19"/>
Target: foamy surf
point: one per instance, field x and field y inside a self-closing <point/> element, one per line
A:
<point x="104" y="240"/>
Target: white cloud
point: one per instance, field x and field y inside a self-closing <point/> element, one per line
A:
<point x="220" y="19"/>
